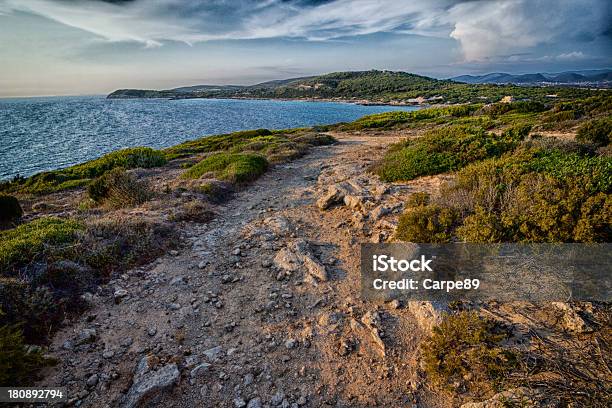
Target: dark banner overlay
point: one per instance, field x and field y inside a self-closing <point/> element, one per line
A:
<point x="481" y="272"/>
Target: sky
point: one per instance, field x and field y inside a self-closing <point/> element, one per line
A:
<point x="79" y="47"/>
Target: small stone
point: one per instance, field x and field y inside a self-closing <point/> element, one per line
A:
<point x="92" y="381"/>
<point x="174" y="306"/>
<point x="213" y="353"/>
<point x="255" y="403"/>
<point x="108" y="354"/>
<point x="278" y="398"/>
<point x="202" y="264"/>
<point x="236" y="251"/>
<point x="239" y="402"/>
<point x="173" y="252"/>
<point x="395" y="304"/>
<point x="248" y="379"/>
<point x="126" y="342"/>
<point x="291" y="344"/>
<point x="178" y="280"/>
<point x="199" y="370"/>
<point x="152" y="331"/>
<point x="86" y="336"/>
<point x="67" y="345"/>
<point x="266" y="263"/>
<point x="119" y="295"/>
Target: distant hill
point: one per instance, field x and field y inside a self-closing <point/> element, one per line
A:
<point x="595" y="77"/>
<point x="373" y="87"/>
<point x="354" y="84"/>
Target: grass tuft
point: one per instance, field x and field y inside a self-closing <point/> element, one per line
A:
<point x="235" y="168"/>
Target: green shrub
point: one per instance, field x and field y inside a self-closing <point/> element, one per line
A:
<point x="35" y="240"/>
<point x="118" y="189"/>
<point x="236" y="168"/>
<point x="209" y="144"/>
<point x="81" y="174"/>
<point x="391" y="119"/>
<point x="10" y="210"/>
<point x="596" y="131"/>
<point x="19" y="365"/>
<point x="418" y="199"/>
<point x="532" y="195"/>
<point x="429" y="223"/>
<point x="467" y="350"/>
<point x="445" y="149"/>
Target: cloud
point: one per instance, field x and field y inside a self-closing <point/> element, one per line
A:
<point x="484" y="29"/>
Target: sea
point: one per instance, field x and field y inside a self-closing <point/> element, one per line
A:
<point x="47" y="133"/>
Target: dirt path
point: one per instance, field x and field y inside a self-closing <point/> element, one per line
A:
<point x="225" y="324"/>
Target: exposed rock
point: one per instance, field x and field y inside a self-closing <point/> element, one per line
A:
<point x="254" y="403"/>
<point x="119" y="295"/>
<point x="239" y="402"/>
<point x="354" y="202"/>
<point x="214" y="353"/>
<point x="287" y="260"/>
<point x="332" y="196"/>
<point x="427" y="314"/>
<point x="199" y="370"/>
<point x="86" y="336"/>
<point x="147" y="382"/>
<point x="92" y="381"/>
<point x="379" y="212"/>
<point x="315" y="268"/>
<point x="291" y="343"/>
<point x="278" y="225"/>
<point x="572" y="320"/>
<point x="368" y="332"/>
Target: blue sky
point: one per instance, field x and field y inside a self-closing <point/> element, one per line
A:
<point x="60" y="47"/>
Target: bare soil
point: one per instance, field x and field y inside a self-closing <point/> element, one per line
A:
<point x="285" y="339"/>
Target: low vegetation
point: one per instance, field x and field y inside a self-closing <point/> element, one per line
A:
<point x="596" y="131"/>
<point x="233" y="167"/>
<point x="445" y="149"/>
<point x="81" y="174"/>
<point x="47" y="263"/>
<point x="19" y="364"/>
<point x="117" y="189"/>
<point x="466" y="351"/>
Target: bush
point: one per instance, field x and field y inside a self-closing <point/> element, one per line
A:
<point x="466" y="349"/>
<point x="10" y="210"/>
<point x="81" y="174"/>
<point x="118" y="189"/>
<point x="418" y="199"/>
<point x="35" y="240"/>
<point x="445" y="149"/>
<point x="596" y="131"/>
<point x="533" y="195"/>
<point x="194" y="211"/>
<point x="19" y="365"/>
<point x="429" y="223"/>
<point x="236" y="168"/>
<point x="209" y="144"/>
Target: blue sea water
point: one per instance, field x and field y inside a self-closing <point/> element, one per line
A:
<point x="38" y="134"/>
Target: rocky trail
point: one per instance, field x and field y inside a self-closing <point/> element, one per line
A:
<point x="259" y="307"/>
